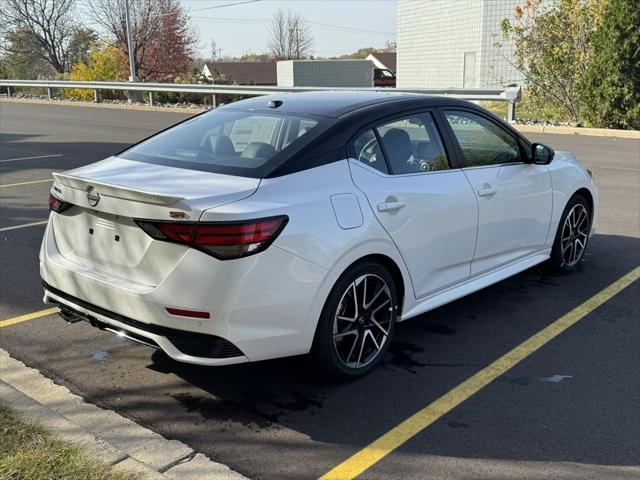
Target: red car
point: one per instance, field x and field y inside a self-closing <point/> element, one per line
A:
<point x="383" y="77"/>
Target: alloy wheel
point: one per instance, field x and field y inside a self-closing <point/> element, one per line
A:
<point x="363" y="321"/>
<point x="575" y="233"/>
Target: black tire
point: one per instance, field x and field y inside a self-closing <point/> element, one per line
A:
<point x="561" y="260"/>
<point x="329" y="354"/>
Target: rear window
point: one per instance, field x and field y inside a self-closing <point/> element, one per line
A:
<point x="228" y="141"/>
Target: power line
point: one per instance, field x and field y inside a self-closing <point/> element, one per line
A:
<point x="225" y="5"/>
<point x="347" y="29"/>
<point x="326" y="26"/>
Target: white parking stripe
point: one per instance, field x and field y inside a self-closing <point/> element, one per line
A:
<point x="26" y="183"/>
<point x="24" y="225"/>
<point x="30" y="158"/>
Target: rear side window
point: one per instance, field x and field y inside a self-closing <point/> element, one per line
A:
<point x="229" y="141"/>
<point x="412" y="145"/>
<point x="368" y="151"/>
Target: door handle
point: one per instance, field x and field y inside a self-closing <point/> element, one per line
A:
<point x="390" y="206"/>
<point x="487" y="192"/>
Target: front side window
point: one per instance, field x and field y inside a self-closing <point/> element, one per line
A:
<point x="412" y="145"/>
<point x="482" y="142"/>
<point x="227" y="141"/>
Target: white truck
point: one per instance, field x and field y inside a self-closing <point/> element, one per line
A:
<point x="325" y="73"/>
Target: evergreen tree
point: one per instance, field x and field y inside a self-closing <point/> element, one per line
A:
<point x="610" y="90"/>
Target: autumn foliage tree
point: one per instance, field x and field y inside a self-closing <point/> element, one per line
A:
<point x="106" y="63"/>
<point x="163" y="41"/>
<point x="553" y="49"/>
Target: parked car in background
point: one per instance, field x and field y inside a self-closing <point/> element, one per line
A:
<point x="307" y="223"/>
<point x="383" y="78"/>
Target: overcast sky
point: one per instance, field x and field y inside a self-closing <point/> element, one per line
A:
<point x="338" y="26"/>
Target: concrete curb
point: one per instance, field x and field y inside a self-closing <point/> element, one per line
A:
<point x="593" y="132"/>
<point x="103" y="434"/>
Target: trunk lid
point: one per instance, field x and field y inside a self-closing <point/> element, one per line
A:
<point x="99" y="231"/>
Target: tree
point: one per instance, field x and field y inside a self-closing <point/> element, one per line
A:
<point x="49" y="24"/>
<point x="390" y="46"/>
<point x="163" y="42"/>
<point x="80" y="44"/>
<point x="610" y="90"/>
<point x="24" y="57"/>
<point x="361" y="53"/>
<point x="290" y="36"/>
<point x="249" y="56"/>
<point x="103" y="64"/>
<point x="553" y="48"/>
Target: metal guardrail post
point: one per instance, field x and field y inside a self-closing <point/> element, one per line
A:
<point x="511" y="112"/>
<point x="150" y="99"/>
<point x="96" y="95"/>
<point x="214" y="101"/>
<point x="49" y="93"/>
<point x="512" y="95"/>
<point x="8" y="92"/>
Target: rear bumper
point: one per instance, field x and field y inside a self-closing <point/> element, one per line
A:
<point x="263" y="306"/>
<point x="186" y="346"/>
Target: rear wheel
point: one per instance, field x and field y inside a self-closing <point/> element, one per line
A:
<point x="572" y="235"/>
<point x="357" y="322"/>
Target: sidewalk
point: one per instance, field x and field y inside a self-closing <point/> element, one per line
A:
<point x="103" y="434"/>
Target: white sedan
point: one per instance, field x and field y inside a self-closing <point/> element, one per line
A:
<point x="307" y="223"/>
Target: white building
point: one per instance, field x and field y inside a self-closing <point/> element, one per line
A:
<point x="452" y="44"/>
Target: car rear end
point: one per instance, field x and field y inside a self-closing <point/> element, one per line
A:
<point x="126" y="248"/>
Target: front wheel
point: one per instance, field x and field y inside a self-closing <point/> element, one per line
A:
<point x="572" y="235"/>
<point x="357" y="322"/>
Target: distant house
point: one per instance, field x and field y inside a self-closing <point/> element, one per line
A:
<point x="383" y="60"/>
<point x="241" y="73"/>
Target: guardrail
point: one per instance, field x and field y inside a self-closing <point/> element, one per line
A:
<point x="511" y="94"/>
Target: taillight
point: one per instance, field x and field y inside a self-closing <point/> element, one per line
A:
<point x="222" y="240"/>
<point x="58" y="205"/>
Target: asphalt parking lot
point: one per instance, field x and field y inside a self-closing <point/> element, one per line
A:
<point x="569" y="410"/>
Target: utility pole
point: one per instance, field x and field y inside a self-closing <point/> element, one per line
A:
<point x="132" y="58"/>
<point x="133" y="95"/>
<point x="294" y="38"/>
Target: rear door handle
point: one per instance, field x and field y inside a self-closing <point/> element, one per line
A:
<point x="390" y="206"/>
<point x="487" y="192"/>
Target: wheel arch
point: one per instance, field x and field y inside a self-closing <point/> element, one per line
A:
<point x="392" y="267"/>
<point x="586" y="193"/>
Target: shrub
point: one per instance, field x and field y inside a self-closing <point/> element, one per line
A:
<point x="103" y="64"/>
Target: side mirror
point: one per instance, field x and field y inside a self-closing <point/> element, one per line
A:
<point x="541" y="154"/>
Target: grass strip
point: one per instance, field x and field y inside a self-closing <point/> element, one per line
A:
<point x="29" y="452"/>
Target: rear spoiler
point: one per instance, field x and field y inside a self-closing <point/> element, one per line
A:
<point x="116" y="191"/>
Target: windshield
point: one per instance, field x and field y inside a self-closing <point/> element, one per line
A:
<point x="228" y="141"/>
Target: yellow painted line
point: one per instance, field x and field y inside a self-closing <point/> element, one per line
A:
<point x="387" y="443"/>
<point x="24" y="225"/>
<point x="25" y="183"/>
<point x="27" y="317"/>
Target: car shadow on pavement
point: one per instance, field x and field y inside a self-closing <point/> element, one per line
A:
<point x="430" y="355"/>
